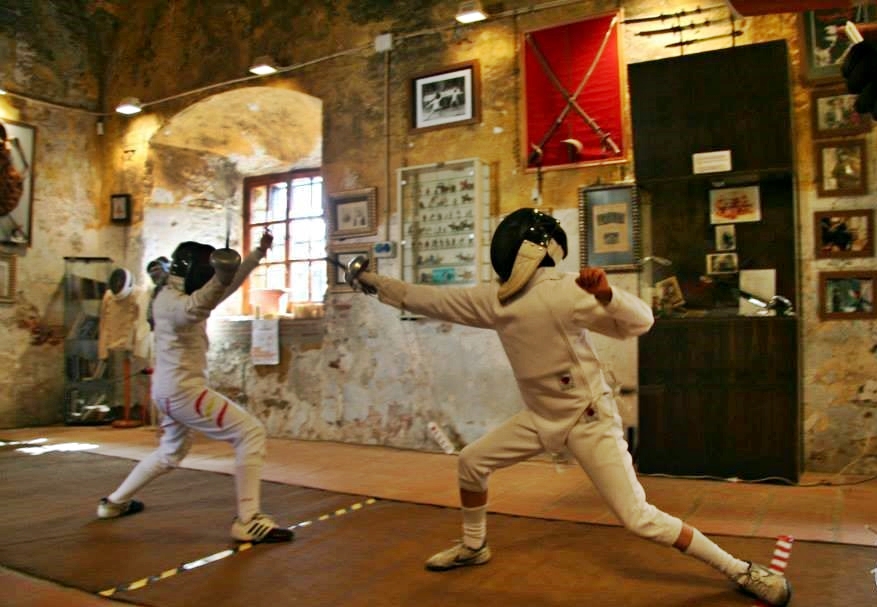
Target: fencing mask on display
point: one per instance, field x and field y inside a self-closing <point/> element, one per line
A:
<point x="524" y="241"/>
<point x="191" y="262"/>
<point x="121" y="283"/>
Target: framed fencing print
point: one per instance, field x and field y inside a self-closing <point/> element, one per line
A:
<point x="447" y="97"/>
<point x="847" y="295"/>
<point x="15" y="215"/>
<point x="609" y="227"/>
<point x="841" y="234"/>
<point x="353" y="213"/>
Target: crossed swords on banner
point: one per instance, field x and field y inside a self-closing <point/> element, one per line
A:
<point x="606" y="141"/>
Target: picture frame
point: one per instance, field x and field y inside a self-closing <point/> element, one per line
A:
<point x="668" y="293"/>
<point x="7" y="277"/>
<point x="843" y="234"/>
<point x="343" y="253"/>
<point x="726" y="237"/>
<point x="833" y="113"/>
<point x="16" y="225"/>
<point x="447" y="97"/>
<point x="847" y="295"/>
<point x="722" y="263"/>
<point x="823" y="44"/>
<point x="120" y="209"/>
<point x="735" y="205"/>
<point x="609" y="227"/>
<point x="841" y="167"/>
<point x="353" y="213"/>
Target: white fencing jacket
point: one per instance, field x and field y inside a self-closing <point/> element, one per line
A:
<point x="181" y="331"/>
<point x="544" y="330"/>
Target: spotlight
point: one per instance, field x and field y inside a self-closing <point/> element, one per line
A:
<point x="263" y="66"/>
<point x="470" y="12"/>
<point x="129" y="105"/>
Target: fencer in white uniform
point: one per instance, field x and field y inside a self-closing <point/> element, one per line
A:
<point x="544" y="318"/>
<point x="200" y="279"/>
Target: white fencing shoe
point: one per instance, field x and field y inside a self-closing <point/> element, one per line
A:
<point x="763" y="583"/>
<point x="108" y="509"/>
<point x="260" y="528"/>
<point x="459" y="555"/>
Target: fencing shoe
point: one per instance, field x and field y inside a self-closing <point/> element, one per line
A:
<point x="108" y="509"/>
<point x="260" y="528"/>
<point x="460" y="555"/>
<point x="766" y="585"/>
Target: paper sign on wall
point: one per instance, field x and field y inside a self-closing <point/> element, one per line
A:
<point x="265" y="343"/>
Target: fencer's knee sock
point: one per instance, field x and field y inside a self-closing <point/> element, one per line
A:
<point x="247" y="481"/>
<point x="147" y="470"/>
<point x="474" y="526"/>
<point x="709" y="552"/>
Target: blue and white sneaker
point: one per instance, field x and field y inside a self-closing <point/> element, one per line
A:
<point x="459" y="555"/>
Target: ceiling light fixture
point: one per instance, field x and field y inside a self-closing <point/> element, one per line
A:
<point x="129" y="105"/>
<point x="263" y="66"/>
<point x="470" y="12"/>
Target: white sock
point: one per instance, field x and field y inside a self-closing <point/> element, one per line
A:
<point x="474" y="526"/>
<point x="145" y="471"/>
<point x="248" y="481"/>
<point x="709" y="552"/>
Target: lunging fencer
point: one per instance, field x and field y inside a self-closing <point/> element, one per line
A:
<point x="200" y="278"/>
<point x="544" y="318"/>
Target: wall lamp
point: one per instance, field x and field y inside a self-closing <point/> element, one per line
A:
<point x="470" y="11"/>
<point x="129" y="105"/>
<point x="263" y="66"/>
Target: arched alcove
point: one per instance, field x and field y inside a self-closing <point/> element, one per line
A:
<point x="198" y="159"/>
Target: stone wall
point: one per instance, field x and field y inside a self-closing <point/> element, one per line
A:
<point x="359" y="374"/>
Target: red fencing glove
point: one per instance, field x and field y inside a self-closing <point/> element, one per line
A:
<point x="593" y="280"/>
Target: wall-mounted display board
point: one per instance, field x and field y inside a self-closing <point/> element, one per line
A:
<point x="445" y="224"/>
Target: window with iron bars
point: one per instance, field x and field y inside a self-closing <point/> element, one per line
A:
<point x="291" y="206"/>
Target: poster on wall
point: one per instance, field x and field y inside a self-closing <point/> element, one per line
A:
<point x="265" y="343"/>
<point x="15" y="215"/>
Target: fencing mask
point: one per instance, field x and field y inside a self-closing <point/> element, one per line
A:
<point x="121" y="283"/>
<point x="191" y="262"/>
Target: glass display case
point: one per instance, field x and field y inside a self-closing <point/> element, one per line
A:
<point x="445" y="223"/>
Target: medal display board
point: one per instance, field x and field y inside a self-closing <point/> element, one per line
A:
<point x="445" y="223"/>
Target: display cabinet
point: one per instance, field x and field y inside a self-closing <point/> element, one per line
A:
<point x="445" y="223"/>
<point x="88" y="389"/>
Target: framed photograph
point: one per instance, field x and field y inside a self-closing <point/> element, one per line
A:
<point x="839" y="234"/>
<point x="726" y="237"/>
<point x="841" y="167"/>
<point x="847" y="294"/>
<point x="342" y="254"/>
<point x="669" y="293"/>
<point x="735" y="205"/>
<point x="353" y="213"/>
<point x="120" y="208"/>
<point x="722" y="263"/>
<point x="824" y="44"/>
<point x="609" y="226"/>
<point x="7" y="278"/>
<point x="450" y="97"/>
<point x="834" y="114"/>
<point x="15" y="219"/>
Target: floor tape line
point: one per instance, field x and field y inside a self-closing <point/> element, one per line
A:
<point x="143" y="582"/>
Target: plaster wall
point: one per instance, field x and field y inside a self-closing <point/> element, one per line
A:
<point x="359" y="374"/>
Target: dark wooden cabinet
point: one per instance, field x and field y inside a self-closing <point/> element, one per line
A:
<point x="733" y="99"/>
<point x="719" y="397"/>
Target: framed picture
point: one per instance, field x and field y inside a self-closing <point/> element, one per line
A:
<point x="841" y="167"/>
<point x="342" y="254"/>
<point x="669" y="293"/>
<point x="824" y="44"/>
<point x="7" y="278"/>
<point x="726" y="237"/>
<point x="834" y="114"/>
<point x="839" y="234"/>
<point x="847" y="294"/>
<point x="353" y="213"/>
<point x="735" y="205"/>
<point x="609" y="226"/>
<point x="120" y="208"/>
<point x="722" y="263"/>
<point x="450" y="97"/>
<point x="20" y="143"/>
